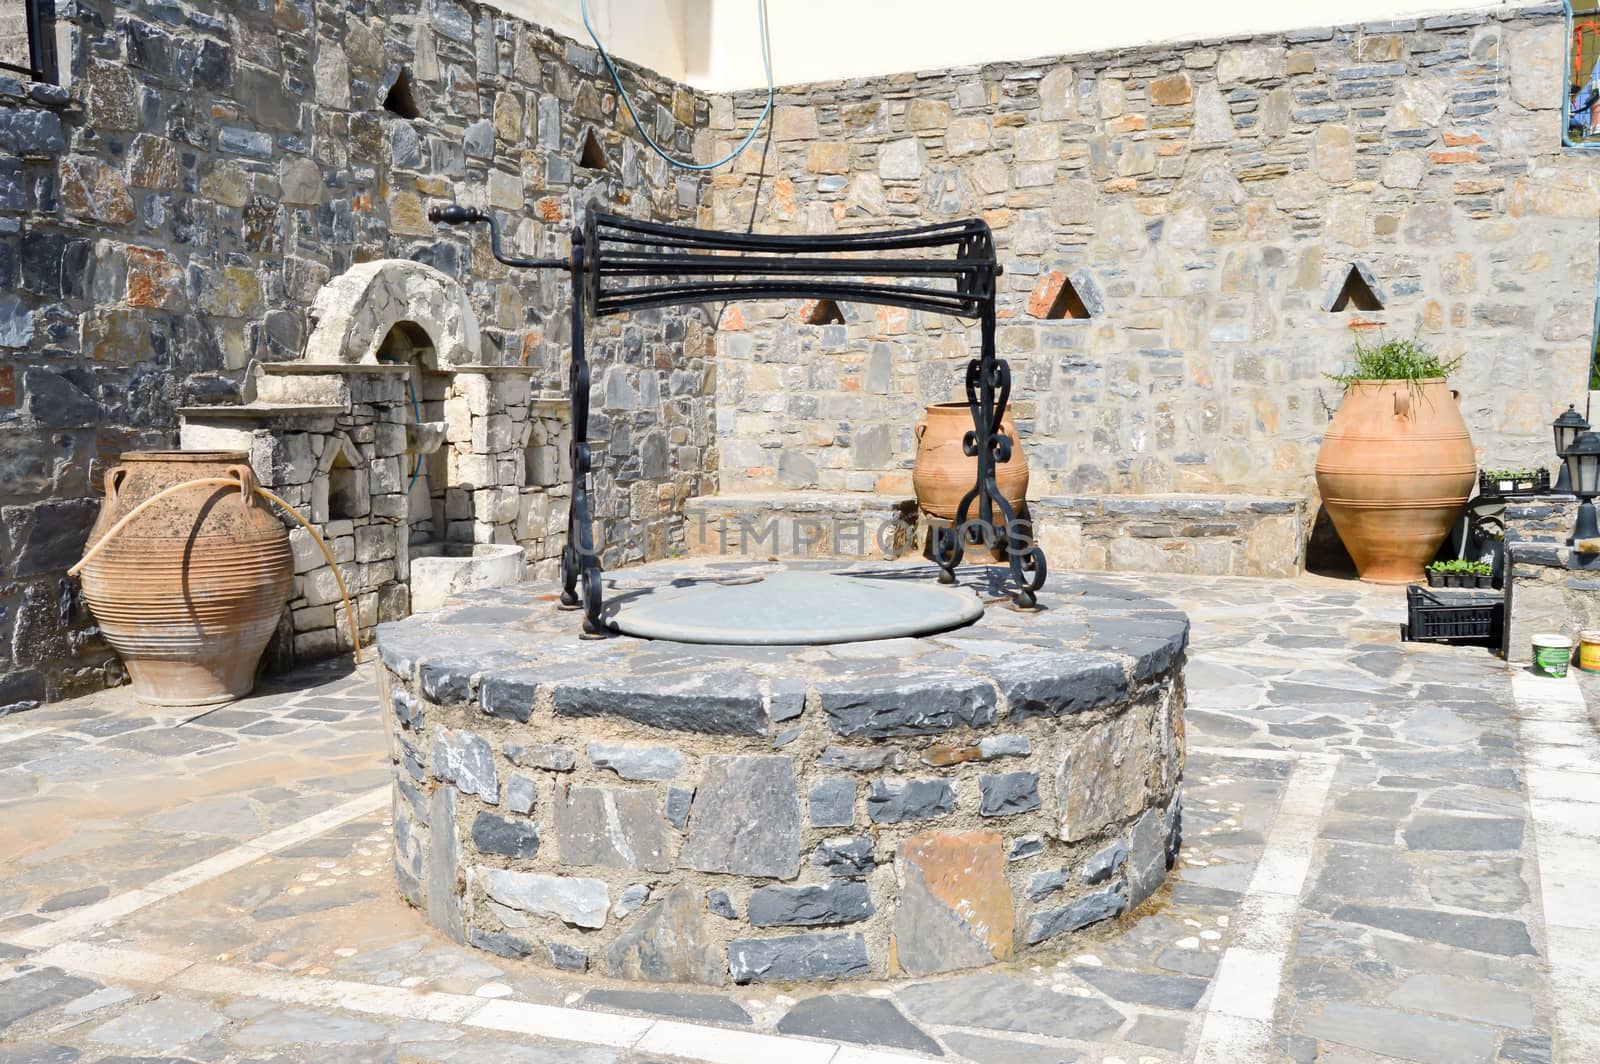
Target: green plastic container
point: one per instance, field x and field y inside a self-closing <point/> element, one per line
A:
<point x="1552" y="654"/>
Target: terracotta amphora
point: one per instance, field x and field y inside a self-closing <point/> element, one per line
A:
<point x="1395" y="468"/>
<point x="190" y="591"/>
<point x="943" y="474"/>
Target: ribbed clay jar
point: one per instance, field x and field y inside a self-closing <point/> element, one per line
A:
<point x="1395" y="468"/>
<point x="190" y="591"/>
<point x="943" y="474"/>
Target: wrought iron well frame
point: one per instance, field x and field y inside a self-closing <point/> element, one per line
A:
<point x="622" y="264"/>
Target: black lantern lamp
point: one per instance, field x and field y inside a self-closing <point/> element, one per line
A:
<point x="1583" y="469"/>
<point x="1567" y="427"/>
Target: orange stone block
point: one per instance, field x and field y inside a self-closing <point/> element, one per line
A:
<point x="956" y="909"/>
<point x="1461" y="156"/>
<point x="1045" y="293"/>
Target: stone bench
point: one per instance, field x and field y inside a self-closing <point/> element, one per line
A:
<point x="1206" y="535"/>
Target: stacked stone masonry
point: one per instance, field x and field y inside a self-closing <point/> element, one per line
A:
<point x="171" y="215"/>
<point x="1206" y="202"/>
<point x="1175" y="223"/>
<point x="678" y="813"/>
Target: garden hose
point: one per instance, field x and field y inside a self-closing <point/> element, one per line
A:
<point x="627" y="101"/>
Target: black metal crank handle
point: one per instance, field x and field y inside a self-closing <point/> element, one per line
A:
<point x="456" y="214"/>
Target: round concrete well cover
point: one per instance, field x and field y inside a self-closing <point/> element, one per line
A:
<point x="795" y="608"/>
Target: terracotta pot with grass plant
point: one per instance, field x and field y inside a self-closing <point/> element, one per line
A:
<point x="1396" y="464"/>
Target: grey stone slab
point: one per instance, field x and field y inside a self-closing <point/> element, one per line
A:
<point x="679" y="1005"/>
<point x="998" y="1002"/>
<point x="854" y="760"/>
<point x="1463" y="833"/>
<point x="613" y="827"/>
<point x="1148" y="856"/>
<point x="521" y="793"/>
<point x="444" y="864"/>
<point x="552" y="757"/>
<point x="709" y="702"/>
<point x="924" y="703"/>
<point x="573" y="900"/>
<point x="811" y="905"/>
<point x="746" y="818"/>
<point x="1527" y="1049"/>
<point x="1189" y="962"/>
<point x="467" y="761"/>
<point x="897" y="801"/>
<point x="74" y="899"/>
<point x="161" y="1025"/>
<point x="668" y="942"/>
<point x="41" y="989"/>
<point x="863" y="1020"/>
<point x="820" y="955"/>
<point x="1059" y="683"/>
<point x="832" y="802"/>
<point x="1508" y="938"/>
<point x="718" y="903"/>
<point x="845" y="858"/>
<point x="1393" y="1033"/>
<point x="1080" y="912"/>
<point x="1162" y="1032"/>
<point x="634" y="762"/>
<point x="1008" y="793"/>
<point x="507" y="836"/>
<point x="1495" y="886"/>
<point x="300" y="1026"/>
<point x="984" y="1050"/>
<point x="791" y="608"/>
<point x="1467" y="999"/>
<point x="1105" y="863"/>
<point x="1143" y="988"/>
<point x="1353" y="871"/>
<point x="38" y="1053"/>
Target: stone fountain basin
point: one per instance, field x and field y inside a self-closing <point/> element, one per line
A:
<point x="442" y="570"/>
<point x="701" y="813"/>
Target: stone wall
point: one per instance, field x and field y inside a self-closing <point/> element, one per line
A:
<point x="674" y="812"/>
<point x="171" y="216"/>
<point x="1207" y="203"/>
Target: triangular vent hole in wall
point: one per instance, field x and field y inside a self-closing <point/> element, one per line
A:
<point x="822" y="312"/>
<point x="1356" y="291"/>
<point x="400" y="100"/>
<point x="592" y="157"/>
<point x="1068" y="305"/>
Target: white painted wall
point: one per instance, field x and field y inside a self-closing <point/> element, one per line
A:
<point x="647" y="32"/>
<point x="714" y="44"/>
<point x="823" y="40"/>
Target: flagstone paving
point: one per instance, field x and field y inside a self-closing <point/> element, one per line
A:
<point x="1360" y="880"/>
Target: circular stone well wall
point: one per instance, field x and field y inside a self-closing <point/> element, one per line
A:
<point x="689" y="813"/>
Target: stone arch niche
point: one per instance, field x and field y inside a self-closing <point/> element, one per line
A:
<point x="355" y="313"/>
<point x="392" y="372"/>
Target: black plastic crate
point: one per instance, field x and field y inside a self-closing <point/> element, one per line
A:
<point x="1456" y="616"/>
<point x="1520" y="489"/>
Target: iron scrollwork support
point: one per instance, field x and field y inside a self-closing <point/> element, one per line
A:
<point x="580" y="563"/>
<point x="988" y="387"/>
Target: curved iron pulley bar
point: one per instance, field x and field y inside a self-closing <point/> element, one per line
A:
<point x="622" y="264"/>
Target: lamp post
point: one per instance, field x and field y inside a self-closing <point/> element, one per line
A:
<point x="1567" y="427"/>
<point x="1583" y="469"/>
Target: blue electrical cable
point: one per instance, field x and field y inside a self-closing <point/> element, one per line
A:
<point x="627" y="101"/>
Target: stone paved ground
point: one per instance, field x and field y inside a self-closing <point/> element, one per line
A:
<point x="1389" y="854"/>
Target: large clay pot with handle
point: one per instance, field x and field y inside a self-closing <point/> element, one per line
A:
<point x="190" y="591"/>
<point x="943" y="473"/>
<point x="1395" y="469"/>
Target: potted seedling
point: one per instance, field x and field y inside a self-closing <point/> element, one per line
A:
<point x="1436" y="574"/>
<point x="1482" y="573"/>
<point x="1522" y="481"/>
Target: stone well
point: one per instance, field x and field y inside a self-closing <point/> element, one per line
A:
<point x="675" y="812"/>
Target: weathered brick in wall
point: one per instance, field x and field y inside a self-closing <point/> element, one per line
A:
<point x="1204" y="198"/>
<point x="172" y="216"/>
